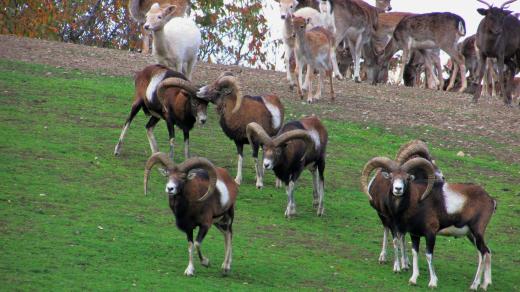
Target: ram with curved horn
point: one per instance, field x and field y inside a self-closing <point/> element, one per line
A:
<point x="299" y="145"/>
<point x="379" y="187"/>
<point x="431" y="208"/>
<point x="236" y="111"/>
<point x="165" y="94"/>
<point x="418" y="148"/>
<point x="200" y="195"/>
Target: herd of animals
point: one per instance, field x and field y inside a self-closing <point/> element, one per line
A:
<point x="409" y="193"/>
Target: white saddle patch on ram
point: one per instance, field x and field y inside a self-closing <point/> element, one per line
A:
<point x="224" y="193"/>
<point x="453" y="200"/>
<point x="316" y="138"/>
<point x="275" y="113"/>
<point x="454" y="231"/>
<point x="152" y="86"/>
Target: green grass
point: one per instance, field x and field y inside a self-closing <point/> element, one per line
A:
<point x="73" y="216"/>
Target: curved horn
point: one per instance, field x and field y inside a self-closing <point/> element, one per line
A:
<point x="160" y="157"/>
<point x="427" y="166"/>
<point x="175" y="82"/>
<point x="414" y="147"/>
<point x="232" y="82"/>
<point x="503" y="6"/>
<point x="376" y="162"/>
<point x="254" y="129"/>
<point x="199" y="162"/>
<point x="482" y="1"/>
<point x="296" y="134"/>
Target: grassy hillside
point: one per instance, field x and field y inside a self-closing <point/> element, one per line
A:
<point x="73" y="216"/>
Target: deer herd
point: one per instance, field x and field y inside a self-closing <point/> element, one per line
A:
<point x="325" y="38"/>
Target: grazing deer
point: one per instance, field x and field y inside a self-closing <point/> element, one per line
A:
<point x="438" y="30"/>
<point x="423" y="60"/>
<point x="386" y="25"/>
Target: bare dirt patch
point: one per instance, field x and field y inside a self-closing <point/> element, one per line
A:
<point x="443" y="118"/>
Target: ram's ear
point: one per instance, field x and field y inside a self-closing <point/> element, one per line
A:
<point x="482" y="11"/>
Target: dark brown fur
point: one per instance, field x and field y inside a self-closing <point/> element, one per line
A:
<point x="191" y="213"/>
<point x="289" y="159"/>
<point x="180" y="107"/>
<point x="427" y="217"/>
<point x="498" y="36"/>
<point x="252" y="109"/>
<point x="379" y="191"/>
<point x="288" y="165"/>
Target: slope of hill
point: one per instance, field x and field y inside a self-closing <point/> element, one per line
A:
<point x="73" y="216"/>
<point x="440" y="118"/>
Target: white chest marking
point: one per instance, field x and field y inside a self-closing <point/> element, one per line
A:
<point x="152" y="86"/>
<point x="224" y="193"/>
<point x="275" y="113"/>
<point x="453" y="200"/>
<point x="454" y="231"/>
<point x="316" y="138"/>
<point x="439" y="175"/>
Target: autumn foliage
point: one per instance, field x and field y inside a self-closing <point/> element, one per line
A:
<point x="234" y="32"/>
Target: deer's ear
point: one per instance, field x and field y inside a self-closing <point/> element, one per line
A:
<point x="170" y="9"/>
<point x="482" y="11"/>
